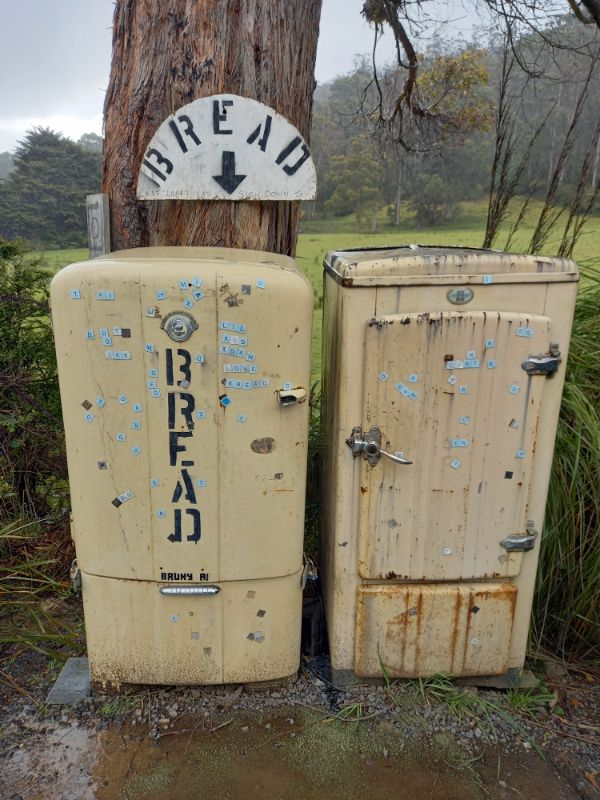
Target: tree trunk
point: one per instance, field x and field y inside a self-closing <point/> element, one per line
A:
<point x="551" y="158"/>
<point x="596" y="165"/>
<point x="398" y="195"/>
<point x="166" y="55"/>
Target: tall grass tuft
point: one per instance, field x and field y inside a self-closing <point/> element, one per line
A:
<point x="34" y="585"/>
<point x="566" y="621"/>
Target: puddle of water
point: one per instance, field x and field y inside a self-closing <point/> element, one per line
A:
<point x="333" y="760"/>
<point x="54" y="766"/>
<point x="287" y="754"/>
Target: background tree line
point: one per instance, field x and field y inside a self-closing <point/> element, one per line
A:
<point x="446" y="158"/>
<point x="441" y="159"/>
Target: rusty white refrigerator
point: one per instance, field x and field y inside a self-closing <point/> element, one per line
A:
<point x="443" y="371"/>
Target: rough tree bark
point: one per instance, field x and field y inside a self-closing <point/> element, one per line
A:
<point x="166" y="55"/>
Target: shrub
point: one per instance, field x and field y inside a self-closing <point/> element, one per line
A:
<point x="32" y="457"/>
<point x="433" y="203"/>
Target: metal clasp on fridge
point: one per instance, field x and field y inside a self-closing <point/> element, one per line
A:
<point x="521" y="543"/>
<point x="544" y="364"/>
<point x="369" y="444"/>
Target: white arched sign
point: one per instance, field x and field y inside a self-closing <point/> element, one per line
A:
<point x="227" y="147"/>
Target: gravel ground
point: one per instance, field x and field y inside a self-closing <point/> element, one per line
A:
<point x="564" y="727"/>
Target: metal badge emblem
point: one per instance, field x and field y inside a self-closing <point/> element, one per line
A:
<point x="179" y="326"/>
<point x="460" y="296"/>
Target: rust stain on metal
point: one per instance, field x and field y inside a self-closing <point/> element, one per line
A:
<point x="455" y="627"/>
<point x="470" y="601"/>
<point x="263" y="446"/>
<point x="233" y="300"/>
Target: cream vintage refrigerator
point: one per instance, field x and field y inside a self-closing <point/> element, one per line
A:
<point x="184" y="378"/>
<point x="442" y="377"/>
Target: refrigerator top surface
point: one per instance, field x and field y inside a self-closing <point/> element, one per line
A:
<point x="410" y="264"/>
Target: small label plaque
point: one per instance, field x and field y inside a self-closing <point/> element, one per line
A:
<point x="460" y="296"/>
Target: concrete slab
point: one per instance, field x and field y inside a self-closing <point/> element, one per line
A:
<point x="525" y="679"/>
<point x="72" y="685"/>
<point x="514" y="679"/>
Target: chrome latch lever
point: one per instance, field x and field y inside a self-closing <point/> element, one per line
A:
<point x="368" y="443"/>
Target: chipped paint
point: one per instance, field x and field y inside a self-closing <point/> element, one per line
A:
<point x="418" y="630"/>
<point x="263" y="446"/>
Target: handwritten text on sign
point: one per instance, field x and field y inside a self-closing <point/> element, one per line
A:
<point x="226" y="147"/>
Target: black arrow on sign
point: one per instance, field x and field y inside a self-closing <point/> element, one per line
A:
<point x="229" y="181"/>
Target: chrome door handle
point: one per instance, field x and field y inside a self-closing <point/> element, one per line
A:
<point x="369" y="444"/>
<point x="396" y="458"/>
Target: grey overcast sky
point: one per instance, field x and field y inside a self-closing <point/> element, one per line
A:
<point x="55" y="59"/>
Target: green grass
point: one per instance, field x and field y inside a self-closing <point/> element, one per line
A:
<point x="486" y="709"/>
<point x="530" y="702"/>
<point x="120" y="706"/>
<point x="57" y="259"/>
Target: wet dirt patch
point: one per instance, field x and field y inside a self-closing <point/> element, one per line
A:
<point x="285" y="755"/>
<point x="53" y="766"/>
<point x="293" y="754"/>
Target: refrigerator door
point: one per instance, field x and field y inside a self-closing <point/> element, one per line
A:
<point x="414" y="630"/>
<point x="448" y="391"/>
<point x="248" y="631"/>
<point x="184" y="457"/>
